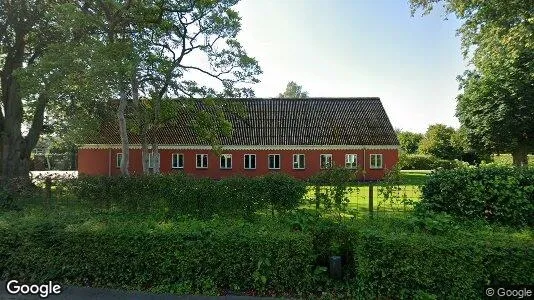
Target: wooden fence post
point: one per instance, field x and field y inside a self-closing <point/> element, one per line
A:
<point x="48" y="191"/>
<point x="371" y="208"/>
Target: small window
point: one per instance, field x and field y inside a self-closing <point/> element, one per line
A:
<point x="151" y="160"/>
<point x="274" y="161"/>
<point x="326" y="161"/>
<point x="250" y="161"/>
<point x="299" y="161"/>
<point x="226" y="161"/>
<point x="351" y="161"/>
<point x="177" y="161"/>
<point x="376" y="161"/>
<point x="202" y="161"/>
<point x="119" y="160"/>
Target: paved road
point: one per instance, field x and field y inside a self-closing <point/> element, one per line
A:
<point x="108" y="294"/>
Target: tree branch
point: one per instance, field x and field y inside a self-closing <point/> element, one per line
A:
<point x="37" y="123"/>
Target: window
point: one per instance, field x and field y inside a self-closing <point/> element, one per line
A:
<point x="274" y="161"/>
<point x="151" y="160"/>
<point x="250" y="161"/>
<point x="202" y="161"/>
<point x="298" y="161"/>
<point x="119" y="160"/>
<point x="326" y="161"/>
<point x="351" y="161"/>
<point x="376" y="161"/>
<point x="177" y="161"/>
<point x="226" y="161"/>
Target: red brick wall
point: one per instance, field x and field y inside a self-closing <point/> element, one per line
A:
<point x="96" y="161"/>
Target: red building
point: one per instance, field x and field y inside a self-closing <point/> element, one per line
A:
<point x="295" y="136"/>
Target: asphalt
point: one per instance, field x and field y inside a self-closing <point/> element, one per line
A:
<point x="109" y="294"/>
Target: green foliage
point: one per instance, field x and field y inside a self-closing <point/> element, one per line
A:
<point x="181" y="257"/>
<point x="427" y="162"/>
<point x="439" y="142"/>
<point x="394" y="263"/>
<point x="391" y="190"/>
<point x="283" y="192"/>
<point x="179" y="194"/>
<point x="495" y="193"/>
<point x="422" y="257"/>
<point x="497" y="100"/>
<point x="332" y="187"/>
<point x="409" y="141"/>
<point x="293" y="90"/>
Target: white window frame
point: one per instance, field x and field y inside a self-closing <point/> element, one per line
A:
<point x="174" y="158"/>
<point x="299" y="167"/>
<point x="151" y="160"/>
<point x="321" y="161"/>
<point x="376" y="166"/>
<point x="250" y="162"/>
<point x="355" y="161"/>
<point x="269" y="161"/>
<point x="225" y="157"/>
<point x="117" y="160"/>
<point x="202" y="155"/>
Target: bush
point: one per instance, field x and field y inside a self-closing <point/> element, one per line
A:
<point x="332" y="187"/>
<point x="494" y="193"/>
<point x="384" y="258"/>
<point x="186" y="195"/>
<point x="189" y="257"/>
<point x="455" y="265"/>
<point x="427" y="162"/>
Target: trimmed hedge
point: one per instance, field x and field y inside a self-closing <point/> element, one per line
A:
<point x="453" y="266"/>
<point x="384" y="258"/>
<point x="187" y="195"/>
<point x="500" y="194"/>
<point x="184" y="258"/>
<point x="427" y="162"/>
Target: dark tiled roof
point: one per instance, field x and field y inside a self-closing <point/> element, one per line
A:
<point x="277" y="121"/>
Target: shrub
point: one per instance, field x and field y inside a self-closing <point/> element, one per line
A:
<point x="427" y="162"/>
<point x="457" y="265"/>
<point x="186" y="195"/>
<point x="384" y="258"/>
<point x="494" y="193"/>
<point x="282" y="191"/>
<point x="189" y="257"/>
<point x="332" y="186"/>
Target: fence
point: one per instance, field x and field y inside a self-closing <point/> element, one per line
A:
<point x="364" y="198"/>
<point x="376" y="198"/>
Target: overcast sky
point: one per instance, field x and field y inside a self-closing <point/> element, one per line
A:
<point x="358" y="48"/>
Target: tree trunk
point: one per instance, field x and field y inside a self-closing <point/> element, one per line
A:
<point x="155" y="151"/>
<point x="15" y="159"/>
<point x="520" y="156"/>
<point x="123" y="133"/>
<point x="155" y="156"/>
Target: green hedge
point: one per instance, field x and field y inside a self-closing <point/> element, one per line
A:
<point x="186" y="195"/>
<point x="385" y="259"/>
<point x="184" y="258"/>
<point x="452" y="266"/>
<point x="496" y="193"/>
<point x="427" y="162"/>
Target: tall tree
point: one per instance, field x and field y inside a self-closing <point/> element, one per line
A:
<point x="293" y="90"/>
<point x="409" y="141"/>
<point x="34" y="43"/>
<point x="439" y="141"/>
<point x="496" y="105"/>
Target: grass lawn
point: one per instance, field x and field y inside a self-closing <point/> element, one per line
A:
<point x="410" y="188"/>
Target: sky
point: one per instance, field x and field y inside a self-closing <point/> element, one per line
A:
<point x="358" y="48"/>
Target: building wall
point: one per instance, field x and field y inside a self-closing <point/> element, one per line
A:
<point x="97" y="162"/>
